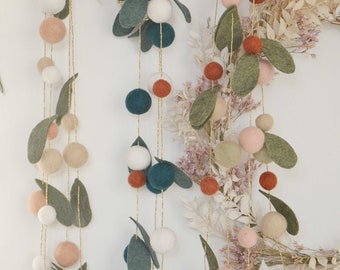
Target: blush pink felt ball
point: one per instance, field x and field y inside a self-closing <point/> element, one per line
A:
<point x="229" y="3"/>
<point x="247" y="237"/>
<point x="66" y="254"/>
<point x="36" y="201"/>
<point x="52" y="30"/>
<point x="251" y="139"/>
<point x="266" y="72"/>
<point x="52" y="131"/>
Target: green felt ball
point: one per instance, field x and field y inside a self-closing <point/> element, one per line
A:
<point x="161" y="176"/>
<point x="264" y="121"/>
<point x="168" y="34"/>
<point x="262" y="156"/>
<point x="228" y="154"/>
<point x="138" y="101"/>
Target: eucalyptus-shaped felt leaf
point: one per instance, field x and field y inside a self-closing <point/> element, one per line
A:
<point x="278" y="55"/>
<point x="64" y="101"/>
<point x="184" y="10"/>
<point x="64" y="13"/>
<point x="138" y="256"/>
<point x="202" y="108"/>
<point x="229" y="30"/>
<point x="181" y="178"/>
<point x="1" y="87"/>
<point x="146" y="42"/>
<point x="132" y="13"/>
<point x="139" y="141"/>
<point x="246" y="76"/>
<point x="212" y="261"/>
<point x="280" y="151"/>
<point x="154" y="33"/>
<point x="118" y="30"/>
<point x="37" y="140"/>
<point x="59" y="201"/>
<point x="80" y="204"/>
<point x="57" y="267"/>
<point x="281" y="207"/>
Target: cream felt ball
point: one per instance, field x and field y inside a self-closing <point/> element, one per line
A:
<point x="69" y="122"/>
<point x="75" y="155"/>
<point x="41" y="263"/>
<point x="163" y="240"/>
<point x="159" y="11"/>
<point x="229" y="3"/>
<point x="220" y="109"/>
<point x="43" y="63"/>
<point x="273" y="225"/>
<point x="247" y="237"/>
<point x="52" y="6"/>
<point x="228" y="154"/>
<point x="51" y="75"/>
<point x="66" y="253"/>
<point x="251" y="139"/>
<point x="52" y="30"/>
<point x="266" y="72"/>
<point x="155" y="77"/>
<point x="262" y="156"/>
<point x="264" y="121"/>
<point x="138" y="158"/>
<point x="50" y="161"/>
<point x="36" y="201"/>
<point x="47" y="215"/>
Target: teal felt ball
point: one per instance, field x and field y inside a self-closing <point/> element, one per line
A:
<point x="138" y="101"/>
<point x="168" y="34"/>
<point x="161" y="176"/>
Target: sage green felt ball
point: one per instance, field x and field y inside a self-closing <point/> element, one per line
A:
<point x="262" y="156"/>
<point x="228" y="154"/>
<point x="264" y="122"/>
<point x="273" y="225"/>
<point x="50" y="161"/>
<point x="75" y="155"/>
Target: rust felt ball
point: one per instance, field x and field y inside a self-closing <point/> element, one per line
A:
<point x="213" y="71"/>
<point x="137" y="179"/>
<point x="161" y="88"/>
<point x="256" y="1"/>
<point x="52" y="30"/>
<point x="209" y="185"/>
<point x="268" y="180"/>
<point x="66" y="254"/>
<point x="36" y="201"/>
<point x="252" y="44"/>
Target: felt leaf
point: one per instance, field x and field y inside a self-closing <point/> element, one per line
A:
<point x="83" y="267"/>
<point x="168" y="34"/>
<point x="37" y="140"/>
<point x="139" y="141"/>
<point x="202" y="108"/>
<point x="138" y="257"/>
<point x="118" y="30"/>
<point x="280" y="151"/>
<point x="59" y="201"/>
<point x="229" y="30"/>
<point x="246" y="74"/>
<point x="80" y="204"/>
<point x="281" y="207"/>
<point x="147" y="242"/>
<point x="64" y="96"/>
<point x="64" y="13"/>
<point x="56" y="267"/>
<point x="146" y="43"/>
<point x="212" y="261"/>
<point x="184" y="10"/>
<point x="1" y="87"/>
<point x="278" y="55"/>
<point x="132" y="12"/>
<point x="181" y="178"/>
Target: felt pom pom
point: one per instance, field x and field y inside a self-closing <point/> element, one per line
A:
<point x="251" y="139"/>
<point x="52" y="30"/>
<point x="228" y="154"/>
<point x="267" y="72"/>
<point x="52" y="6"/>
<point x="75" y="155"/>
<point x="69" y="122"/>
<point x="262" y="156"/>
<point x="43" y="63"/>
<point x="155" y="77"/>
<point x="256" y="1"/>
<point x="39" y="263"/>
<point x="138" y="101"/>
<point x="229" y="3"/>
<point x="273" y="225"/>
<point x="51" y="75"/>
<point x="161" y="88"/>
<point x="220" y="109"/>
<point x="209" y="185"/>
<point x="162" y="240"/>
<point x="138" y="158"/>
<point x="36" y="201"/>
<point x="47" y="215"/>
<point x="159" y="11"/>
<point x="137" y="179"/>
<point x="66" y="254"/>
<point x="50" y="161"/>
<point x="264" y="121"/>
<point x="161" y="176"/>
<point x="247" y="237"/>
<point x="213" y="71"/>
<point x="268" y="180"/>
<point x="252" y="44"/>
<point x="52" y="131"/>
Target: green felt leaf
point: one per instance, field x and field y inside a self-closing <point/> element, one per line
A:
<point x="59" y="201"/>
<point x="280" y="151"/>
<point x="57" y="267"/>
<point x="147" y="242"/>
<point x="83" y="267"/>
<point x="118" y="30"/>
<point x="64" y="13"/>
<point x="132" y="12"/>
<point x="229" y="30"/>
<point x="185" y="11"/>
<point x="181" y="178"/>
<point x="139" y="141"/>
<point x="37" y="140"/>
<point x="146" y="42"/>
<point x="278" y="55"/>
<point x="246" y="74"/>
<point x="83" y="213"/>
<point x="1" y="87"/>
<point x="202" y="108"/>
<point x="281" y="207"/>
<point x="212" y="261"/>
<point x="138" y="256"/>
<point x="64" y="98"/>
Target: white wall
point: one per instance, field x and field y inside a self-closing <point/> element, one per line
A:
<point x="304" y="106"/>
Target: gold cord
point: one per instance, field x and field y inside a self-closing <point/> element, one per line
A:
<point x="161" y="50"/>
<point x="80" y="230"/>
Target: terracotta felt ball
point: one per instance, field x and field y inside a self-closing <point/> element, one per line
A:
<point x="161" y="88"/>
<point x="52" y="6"/>
<point x="47" y="215"/>
<point x="69" y="122"/>
<point x="138" y="158"/>
<point x="256" y="1"/>
<point x="44" y="62"/>
<point x="36" y="201"/>
<point x="66" y="253"/>
<point x="159" y="11"/>
<point x="252" y="44"/>
<point x="213" y="71"/>
<point x="209" y="185"/>
<point x="51" y="75"/>
<point x="267" y="72"/>
<point x="247" y="237"/>
<point x="228" y="154"/>
<point x="229" y="3"/>
<point x="155" y="77"/>
<point x="52" y="131"/>
<point x="50" y="161"/>
<point x="273" y="225"/>
<point x="163" y="240"/>
<point x="268" y="180"/>
<point x="264" y="121"/>
<point x="262" y="156"/>
<point x="39" y="263"/>
<point x="220" y="109"/>
<point x="251" y="139"/>
<point x="138" y="101"/>
<point x="75" y="155"/>
<point x="52" y="30"/>
<point x="161" y="176"/>
<point x="137" y="179"/>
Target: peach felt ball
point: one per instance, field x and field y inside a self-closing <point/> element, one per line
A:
<point x="75" y="155"/>
<point x="138" y="157"/>
<point x="264" y="121"/>
<point x="251" y="139"/>
<point x="213" y="71"/>
<point x="50" y="161"/>
<point x="252" y="44"/>
<point x="268" y="180"/>
<point x="44" y="62"/>
<point x="137" y="179"/>
<point x="52" y="131"/>
<point x="229" y="3"/>
<point x="273" y="225"/>
<point x="69" y="122"/>
<point x="247" y="237"/>
<point x="163" y="240"/>
<point x="66" y="254"/>
<point x="36" y="201"/>
<point x="267" y="72"/>
<point x="209" y="185"/>
<point x="161" y="88"/>
<point x="220" y="109"/>
<point x="52" y="30"/>
<point x="159" y="11"/>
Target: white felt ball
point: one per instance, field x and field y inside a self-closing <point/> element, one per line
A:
<point x="229" y="3"/>
<point x="155" y="77"/>
<point x="47" y="215"/>
<point x="75" y="155"/>
<point x="52" y="6"/>
<point x="264" y="121"/>
<point x="50" y="161"/>
<point x="159" y="11"/>
<point x="273" y="225"/>
<point x="247" y="237"/>
<point x="262" y="156"/>
<point x="220" y="109"/>
<point x="163" y="240"/>
<point x="251" y="139"/>
<point x="266" y="72"/>
<point x="39" y="263"/>
<point x="138" y="158"/>
<point x="51" y="75"/>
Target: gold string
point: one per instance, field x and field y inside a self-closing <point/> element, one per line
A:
<point x="210" y="148"/>
<point x="80" y="231"/>
<point x="137" y="209"/>
<point x="207" y="232"/>
<point x="214" y="28"/>
<point x="160" y="52"/>
<point x="155" y="212"/>
<point x="227" y="217"/>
